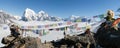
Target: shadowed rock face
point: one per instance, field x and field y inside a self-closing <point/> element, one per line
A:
<point x="108" y="37"/>
<point x="72" y="41"/>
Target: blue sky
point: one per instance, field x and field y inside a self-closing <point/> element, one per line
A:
<point x="61" y="8"/>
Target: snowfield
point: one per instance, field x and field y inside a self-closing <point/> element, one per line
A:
<point x="4" y="31"/>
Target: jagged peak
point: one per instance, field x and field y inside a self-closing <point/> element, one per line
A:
<point x="29" y="12"/>
<point x="28" y="9"/>
<point x="41" y="12"/>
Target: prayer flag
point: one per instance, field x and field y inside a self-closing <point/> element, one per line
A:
<point x="22" y="27"/>
<point x="39" y="26"/>
<point x="59" y="24"/>
<point x="46" y="26"/>
<point x="68" y="23"/>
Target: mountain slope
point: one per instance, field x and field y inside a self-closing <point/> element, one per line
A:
<point x="4" y="17"/>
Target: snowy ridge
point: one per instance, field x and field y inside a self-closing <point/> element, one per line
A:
<point x="73" y="17"/>
<point x="4" y="17"/>
<point x="30" y="15"/>
<point x="17" y="17"/>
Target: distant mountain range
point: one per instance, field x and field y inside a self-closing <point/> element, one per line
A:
<point x="30" y="15"/>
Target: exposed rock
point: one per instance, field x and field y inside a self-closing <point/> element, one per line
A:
<point x="26" y="42"/>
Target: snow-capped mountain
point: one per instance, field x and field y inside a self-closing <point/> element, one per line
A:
<point x="53" y="18"/>
<point x="72" y="18"/>
<point x="17" y="17"/>
<point x="4" y="17"/>
<point x="43" y="16"/>
<point x="30" y="15"/>
<point x="42" y="13"/>
<point x="75" y="18"/>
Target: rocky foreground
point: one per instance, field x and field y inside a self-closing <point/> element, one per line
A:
<point x="76" y="41"/>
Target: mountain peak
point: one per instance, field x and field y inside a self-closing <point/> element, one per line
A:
<point x="29" y="14"/>
<point x="29" y="10"/>
<point x="41" y="12"/>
